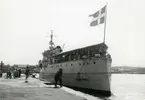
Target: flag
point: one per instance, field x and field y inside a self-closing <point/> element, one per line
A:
<point x="98" y="17"/>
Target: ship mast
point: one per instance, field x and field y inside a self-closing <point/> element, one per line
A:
<point x="51" y="43"/>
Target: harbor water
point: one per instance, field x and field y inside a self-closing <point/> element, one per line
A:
<point x="128" y="87"/>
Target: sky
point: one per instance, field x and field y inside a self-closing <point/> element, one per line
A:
<point x="25" y="27"/>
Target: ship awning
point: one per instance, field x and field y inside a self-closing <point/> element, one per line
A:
<point x="102" y="45"/>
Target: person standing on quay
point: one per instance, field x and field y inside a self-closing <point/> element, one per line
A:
<point x="27" y="72"/>
<point x="58" y="77"/>
<point x="1" y="67"/>
<point x="19" y="73"/>
<point x="0" y="73"/>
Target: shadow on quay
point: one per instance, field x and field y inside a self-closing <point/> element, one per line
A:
<point x="100" y="94"/>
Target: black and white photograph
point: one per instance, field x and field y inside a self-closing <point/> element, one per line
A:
<point x="72" y="50"/>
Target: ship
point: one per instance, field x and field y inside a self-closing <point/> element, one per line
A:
<point x="85" y="68"/>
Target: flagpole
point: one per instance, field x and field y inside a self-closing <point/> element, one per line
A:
<point x="105" y="25"/>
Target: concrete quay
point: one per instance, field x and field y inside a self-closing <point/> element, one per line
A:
<point x="17" y="89"/>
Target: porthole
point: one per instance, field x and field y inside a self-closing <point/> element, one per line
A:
<point x="94" y="62"/>
<point x="71" y="64"/>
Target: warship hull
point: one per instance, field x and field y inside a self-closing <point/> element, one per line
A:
<point x="92" y="74"/>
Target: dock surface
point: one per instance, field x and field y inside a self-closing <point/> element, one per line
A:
<point x="17" y="89"/>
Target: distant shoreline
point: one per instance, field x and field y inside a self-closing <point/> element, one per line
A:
<point x="127" y="73"/>
<point x="127" y="70"/>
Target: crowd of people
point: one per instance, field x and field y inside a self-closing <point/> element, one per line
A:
<point x="13" y="74"/>
<point x="16" y="73"/>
